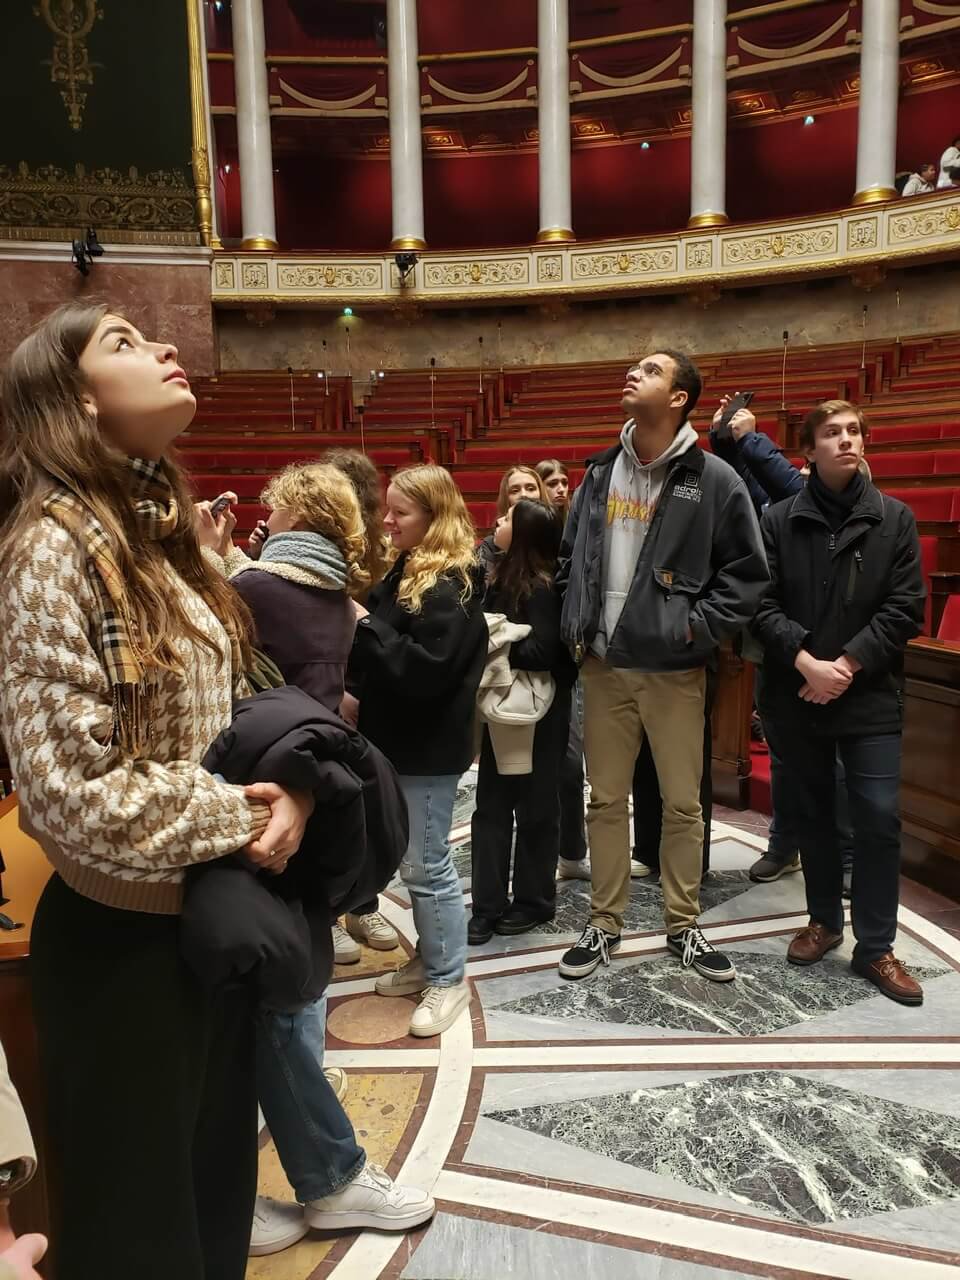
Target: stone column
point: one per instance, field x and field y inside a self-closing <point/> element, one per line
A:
<point x="879" y="90"/>
<point x="254" y="146"/>
<point x="553" y="97"/>
<point x="708" y="143"/>
<point x="406" y="145"/>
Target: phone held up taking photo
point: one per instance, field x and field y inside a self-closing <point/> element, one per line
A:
<point x="734" y="405"/>
<point x="219" y="505"/>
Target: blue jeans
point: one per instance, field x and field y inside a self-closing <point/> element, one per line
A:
<point x="428" y="872"/>
<point x="312" y="1132"/>
<point x="872" y="766"/>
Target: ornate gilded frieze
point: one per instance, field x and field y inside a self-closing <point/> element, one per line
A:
<point x="50" y="198"/>
<point x="701" y="262"/>
<point x="780" y="246"/>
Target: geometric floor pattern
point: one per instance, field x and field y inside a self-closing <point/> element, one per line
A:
<point x="645" y="1124"/>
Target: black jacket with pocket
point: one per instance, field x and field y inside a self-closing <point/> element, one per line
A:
<point x="701" y="567"/>
<point x="857" y="591"/>
<point x="417" y="674"/>
<point x="275" y="930"/>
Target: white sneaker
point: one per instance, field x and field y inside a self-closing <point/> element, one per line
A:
<point x="277" y="1224"/>
<point x="408" y="980"/>
<point x="372" y="1199"/>
<point x="639" y="870"/>
<point x="345" y="950"/>
<point x="573" y="869"/>
<point x="373" y="929"/>
<point x="337" y="1080"/>
<point x="438" y="1009"/>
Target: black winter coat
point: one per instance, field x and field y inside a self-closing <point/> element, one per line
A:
<point x="857" y="591"/>
<point x="417" y="675"/>
<point x="275" y="930"/>
<point x="701" y="567"/>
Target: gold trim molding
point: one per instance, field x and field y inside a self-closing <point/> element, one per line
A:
<point x="200" y="153"/>
<point x="555" y="235"/>
<point x="408" y="242"/>
<point x="702" y="260"/>
<point x="708" y="220"/>
<point x="262" y="244"/>
<point x="875" y="195"/>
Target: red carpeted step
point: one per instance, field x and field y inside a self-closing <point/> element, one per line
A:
<point x="759" y="789"/>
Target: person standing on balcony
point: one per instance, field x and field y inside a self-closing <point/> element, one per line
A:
<point x="661" y="562"/>
<point x="950" y="165"/>
<point x="922" y="182"/>
<point x="845" y="596"/>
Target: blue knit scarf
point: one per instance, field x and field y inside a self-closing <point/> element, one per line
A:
<point x="310" y="551"/>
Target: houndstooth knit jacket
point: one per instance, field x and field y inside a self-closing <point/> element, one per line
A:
<point x="117" y="830"/>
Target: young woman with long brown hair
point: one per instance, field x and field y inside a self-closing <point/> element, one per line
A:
<point x="120" y="651"/>
<point x="418" y="655"/>
<point x="521" y="588"/>
<point x="556" y="481"/>
<point x="516" y="482"/>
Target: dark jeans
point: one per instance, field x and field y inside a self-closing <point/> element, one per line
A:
<point x="573" y="827"/>
<point x="532" y="797"/>
<point x="784" y="840"/>
<point x="151" y="1098"/>
<point x="872" y="766"/>
<point x="648" y="806"/>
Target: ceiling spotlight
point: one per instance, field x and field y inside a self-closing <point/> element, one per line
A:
<point x="348" y="311"/>
<point x="808" y="119"/>
<point x="405" y="264"/>
<point x="644" y="146"/>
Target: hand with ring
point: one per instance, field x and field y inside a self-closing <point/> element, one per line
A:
<point x="289" y="813"/>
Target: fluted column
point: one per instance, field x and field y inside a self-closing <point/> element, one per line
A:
<point x="553" y="98"/>
<point x="879" y="90"/>
<point x="254" y="147"/>
<point x="708" y="144"/>
<point x="406" y="146"/>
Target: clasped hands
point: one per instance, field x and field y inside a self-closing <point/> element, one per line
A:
<point x="825" y="679"/>
<point x="280" y="819"/>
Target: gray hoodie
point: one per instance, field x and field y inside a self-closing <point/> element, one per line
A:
<point x="635" y="489"/>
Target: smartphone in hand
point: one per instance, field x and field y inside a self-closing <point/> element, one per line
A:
<point x="740" y="401"/>
<point x="219" y="505"/>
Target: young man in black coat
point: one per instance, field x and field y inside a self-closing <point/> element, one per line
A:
<point x="845" y="595"/>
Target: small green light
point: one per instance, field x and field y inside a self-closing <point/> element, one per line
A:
<point x="348" y="311"/>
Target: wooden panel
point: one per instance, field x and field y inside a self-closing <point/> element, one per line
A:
<point x="732" y="706"/>
<point x="930" y="790"/>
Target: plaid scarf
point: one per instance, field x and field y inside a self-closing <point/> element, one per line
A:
<point x="116" y="638"/>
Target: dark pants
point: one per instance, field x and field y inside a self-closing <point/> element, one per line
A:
<point x="648" y="806"/>
<point x="573" y="828"/>
<point x="151" y="1098"/>
<point x="784" y="840"/>
<point x="872" y="766"/>
<point x="532" y="797"/>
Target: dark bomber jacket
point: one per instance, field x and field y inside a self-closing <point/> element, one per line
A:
<point x="701" y="566"/>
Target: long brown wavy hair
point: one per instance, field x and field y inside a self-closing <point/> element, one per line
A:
<point x="49" y="439"/>
<point x="365" y="478"/>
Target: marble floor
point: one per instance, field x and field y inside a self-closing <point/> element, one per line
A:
<point x="646" y="1124"/>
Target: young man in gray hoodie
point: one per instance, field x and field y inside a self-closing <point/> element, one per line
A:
<point x="661" y="562"/>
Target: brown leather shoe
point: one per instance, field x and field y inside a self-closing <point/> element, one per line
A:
<point x="812" y="944"/>
<point x="887" y="973"/>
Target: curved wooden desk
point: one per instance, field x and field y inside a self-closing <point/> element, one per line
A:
<point x="27" y="871"/>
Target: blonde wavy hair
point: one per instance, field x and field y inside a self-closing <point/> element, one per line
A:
<point x="365" y="478"/>
<point x="449" y="545"/>
<point x="323" y="499"/>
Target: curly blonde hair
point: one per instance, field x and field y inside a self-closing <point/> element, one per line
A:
<point x="449" y="545"/>
<point x="365" y="478"/>
<point x="324" y="501"/>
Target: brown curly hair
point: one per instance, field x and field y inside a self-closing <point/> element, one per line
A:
<point x="365" y="478"/>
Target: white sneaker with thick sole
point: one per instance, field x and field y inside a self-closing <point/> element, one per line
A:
<point x="438" y="1009"/>
<point x="372" y="1199"/>
<point x="345" y="950"/>
<point x="408" y="980"/>
<point x="573" y="869"/>
<point x="277" y="1224"/>
<point x="337" y="1080"/>
<point x="373" y="929"/>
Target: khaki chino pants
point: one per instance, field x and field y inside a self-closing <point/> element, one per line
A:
<point x="620" y="706"/>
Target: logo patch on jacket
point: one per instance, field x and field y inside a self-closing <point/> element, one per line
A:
<point x="688" y="486"/>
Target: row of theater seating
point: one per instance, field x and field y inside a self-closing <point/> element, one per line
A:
<point x="480" y="422"/>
